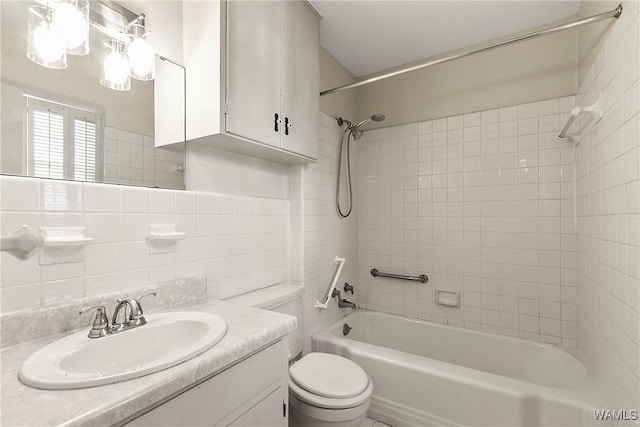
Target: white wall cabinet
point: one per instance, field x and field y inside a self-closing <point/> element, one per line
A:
<point x="254" y="64"/>
<point x="168" y="103"/>
<point x="164" y="23"/>
<point x="253" y="80"/>
<point x="252" y="392"/>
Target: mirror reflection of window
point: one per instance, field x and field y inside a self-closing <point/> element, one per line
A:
<point x="125" y="130"/>
<point x="63" y="140"/>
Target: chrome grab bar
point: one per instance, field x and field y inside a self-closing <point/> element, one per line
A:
<point x="421" y="278"/>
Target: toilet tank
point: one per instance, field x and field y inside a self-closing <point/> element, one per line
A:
<point x="285" y="298"/>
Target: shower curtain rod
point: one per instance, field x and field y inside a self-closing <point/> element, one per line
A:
<point x="615" y="13"/>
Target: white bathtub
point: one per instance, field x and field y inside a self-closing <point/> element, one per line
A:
<point x="430" y="374"/>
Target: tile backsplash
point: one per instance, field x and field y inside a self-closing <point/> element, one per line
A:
<point x="238" y="243"/>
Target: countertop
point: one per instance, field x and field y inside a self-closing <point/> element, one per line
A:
<point x="248" y="330"/>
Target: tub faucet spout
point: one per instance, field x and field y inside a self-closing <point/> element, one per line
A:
<point x="343" y="303"/>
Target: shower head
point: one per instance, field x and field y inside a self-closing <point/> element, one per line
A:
<point x="375" y="118"/>
<point x="357" y="133"/>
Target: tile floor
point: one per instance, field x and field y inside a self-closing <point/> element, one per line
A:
<point x="370" y="422"/>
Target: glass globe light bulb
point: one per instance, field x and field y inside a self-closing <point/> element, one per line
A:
<point x="141" y="56"/>
<point x="72" y="23"/>
<point x="116" y="68"/>
<point x="48" y="42"/>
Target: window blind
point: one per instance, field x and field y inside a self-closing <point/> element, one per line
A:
<point x="84" y="150"/>
<point x="48" y="144"/>
<point x="64" y="140"/>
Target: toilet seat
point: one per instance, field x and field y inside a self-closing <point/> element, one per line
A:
<point x="328" y="402"/>
<point x="329" y="381"/>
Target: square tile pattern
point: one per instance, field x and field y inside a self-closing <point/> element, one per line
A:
<point x="238" y="243"/>
<point x="132" y="158"/>
<point x="483" y="203"/>
<point x="608" y="214"/>
<point x="319" y="234"/>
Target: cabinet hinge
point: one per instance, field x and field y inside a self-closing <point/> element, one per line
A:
<point x="226" y="108"/>
<point x="284" y="409"/>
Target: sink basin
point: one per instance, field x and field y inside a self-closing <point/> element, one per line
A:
<point x="77" y="361"/>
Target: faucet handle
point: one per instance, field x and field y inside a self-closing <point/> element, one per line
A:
<point x="139" y="305"/>
<point x="136" y="307"/>
<point x="348" y="288"/>
<point x="100" y="325"/>
<point x="146" y="295"/>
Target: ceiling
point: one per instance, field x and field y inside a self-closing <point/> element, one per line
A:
<point x="369" y="36"/>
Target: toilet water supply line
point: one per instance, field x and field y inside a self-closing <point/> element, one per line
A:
<point x="323" y="305"/>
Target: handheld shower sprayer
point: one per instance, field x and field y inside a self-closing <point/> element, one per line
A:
<point x="355" y="129"/>
<point x="357" y="133"/>
<point x="375" y="118"/>
<point x="351" y="131"/>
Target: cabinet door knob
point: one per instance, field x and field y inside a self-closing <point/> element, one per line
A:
<point x="276" y="122"/>
<point x="287" y="125"/>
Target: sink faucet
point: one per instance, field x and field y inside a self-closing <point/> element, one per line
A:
<point x="135" y="317"/>
<point x="101" y="327"/>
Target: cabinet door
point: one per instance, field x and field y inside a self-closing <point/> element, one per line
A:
<point x="254" y="69"/>
<point x="301" y="78"/>
<point x="168" y="103"/>
<point x="270" y="412"/>
<point x="230" y="395"/>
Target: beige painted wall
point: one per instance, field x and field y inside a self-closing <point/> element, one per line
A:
<point x="529" y="71"/>
<point x="548" y="67"/>
<point x="332" y="74"/>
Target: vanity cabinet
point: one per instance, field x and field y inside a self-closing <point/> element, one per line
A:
<point x="253" y="80"/>
<point x="250" y="393"/>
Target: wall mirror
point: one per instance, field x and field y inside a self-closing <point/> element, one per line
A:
<point x="65" y="124"/>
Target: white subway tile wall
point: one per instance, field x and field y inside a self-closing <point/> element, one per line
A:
<point x="483" y="203"/>
<point x="608" y="207"/>
<point x="319" y="234"/>
<point x="132" y="158"/>
<point x="238" y="243"/>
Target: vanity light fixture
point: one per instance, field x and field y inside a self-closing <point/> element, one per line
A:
<point x="45" y="41"/>
<point x="116" y="73"/>
<point x="72" y="17"/>
<point x="62" y="27"/>
<point x="141" y="54"/>
<point x="130" y="56"/>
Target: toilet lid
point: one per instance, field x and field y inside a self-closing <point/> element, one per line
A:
<point x="329" y="375"/>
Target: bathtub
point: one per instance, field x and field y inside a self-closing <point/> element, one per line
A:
<point x="430" y="374"/>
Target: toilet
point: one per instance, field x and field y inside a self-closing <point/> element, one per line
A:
<point x="324" y="389"/>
